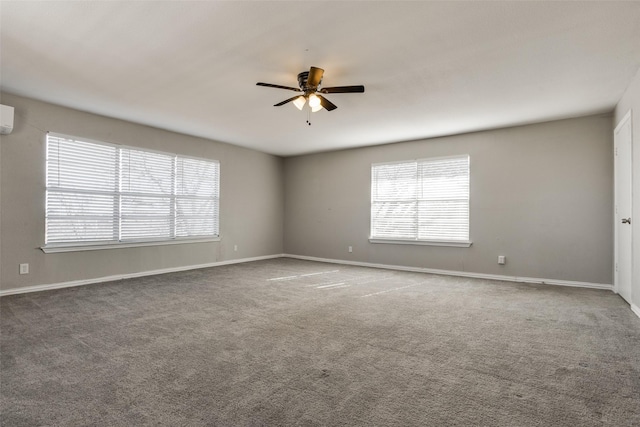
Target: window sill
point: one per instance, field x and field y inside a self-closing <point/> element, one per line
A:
<point x="77" y="247"/>
<point x="452" y="243"/>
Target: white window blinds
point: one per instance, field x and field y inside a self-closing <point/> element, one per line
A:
<point x="197" y="193"/>
<point x="98" y="192"/>
<point x="424" y="200"/>
<point x="81" y="203"/>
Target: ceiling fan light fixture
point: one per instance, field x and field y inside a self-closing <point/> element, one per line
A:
<point x="316" y="108"/>
<point x="314" y="101"/>
<point x="299" y="102"/>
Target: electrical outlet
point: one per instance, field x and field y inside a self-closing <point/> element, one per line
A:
<point x="502" y="259"/>
<point x="350" y="249"/>
<point x="24" y="268"/>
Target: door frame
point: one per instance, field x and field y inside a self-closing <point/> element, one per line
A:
<point x="625" y="118"/>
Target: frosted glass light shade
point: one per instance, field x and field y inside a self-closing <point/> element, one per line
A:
<point x="299" y="102"/>
<point x="314" y="101"/>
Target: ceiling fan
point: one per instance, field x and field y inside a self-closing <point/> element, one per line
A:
<point x="309" y="82"/>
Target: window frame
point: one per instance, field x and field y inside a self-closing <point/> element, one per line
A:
<point x="465" y="243"/>
<point x="129" y="243"/>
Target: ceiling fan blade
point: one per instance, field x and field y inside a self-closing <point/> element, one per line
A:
<point x="278" y="86"/>
<point x="343" y="89"/>
<point x="286" y="101"/>
<point x="326" y="104"/>
<point x="315" y="76"/>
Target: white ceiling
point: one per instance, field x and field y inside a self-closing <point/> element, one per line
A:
<point x="429" y="68"/>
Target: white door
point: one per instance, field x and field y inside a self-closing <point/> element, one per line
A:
<point x="622" y="147"/>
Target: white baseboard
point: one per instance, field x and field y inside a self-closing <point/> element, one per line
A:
<point x="604" y="286"/>
<point x="635" y="309"/>
<point x="38" y="288"/>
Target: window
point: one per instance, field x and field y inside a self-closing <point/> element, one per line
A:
<point x="422" y="202"/>
<point x="100" y="193"/>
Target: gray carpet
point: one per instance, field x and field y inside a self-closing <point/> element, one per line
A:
<point x="289" y="342"/>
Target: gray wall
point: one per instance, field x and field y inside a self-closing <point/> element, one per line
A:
<point x="251" y="200"/>
<point x="540" y="194"/>
<point x="631" y="101"/>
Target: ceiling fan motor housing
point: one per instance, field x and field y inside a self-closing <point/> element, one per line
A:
<point x="303" y="78"/>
